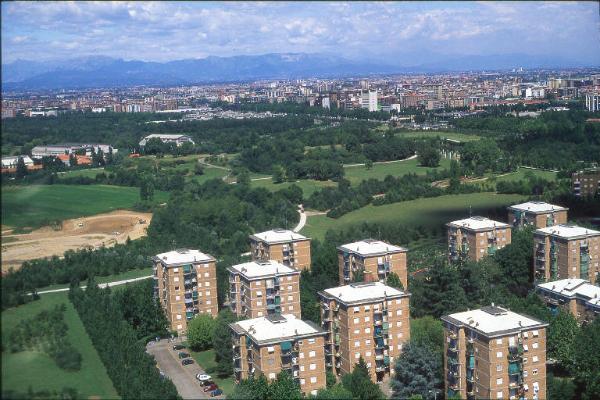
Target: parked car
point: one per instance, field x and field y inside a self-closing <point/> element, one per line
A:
<point x="217" y="392"/>
<point x="211" y="387"/>
<point x="183" y="354"/>
<point x="207" y="383"/>
<point x="178" y="347"/>
<point x="203" y="377"/>
<point x="187" y="361"/>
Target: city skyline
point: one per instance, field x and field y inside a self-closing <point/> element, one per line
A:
<point x="402" y="33"/>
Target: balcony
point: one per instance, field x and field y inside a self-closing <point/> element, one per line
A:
<point x="452" y="335"/>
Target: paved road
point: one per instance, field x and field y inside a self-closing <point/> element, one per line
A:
<point x="302" y="221"/>
<point x="101" y="285"/>
<point x="382" y="162"/>
<point x="183" y="377"/>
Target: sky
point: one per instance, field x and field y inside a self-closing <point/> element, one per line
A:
<point x="410" y="31"/>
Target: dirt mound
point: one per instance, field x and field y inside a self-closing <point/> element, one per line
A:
<point x="78" y="233"/>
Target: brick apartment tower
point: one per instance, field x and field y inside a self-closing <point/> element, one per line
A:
<point x="493" y="353"/>
<point x="185" y="282"/>
<point x="262" y="288"/>
<point x="577" y="296"/>
<point x="374" y="259"/>
<point x="586" y="183"/>
<point x="371" y="320"/>
<point x="288" y="247"/>
<point x="476" y="237"/>
<point x="536" y="213"/>
<point x="566" y="251"/>
<point x="276" y="343"/>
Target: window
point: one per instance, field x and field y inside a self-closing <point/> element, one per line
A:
<point x="176" y="279"/>
<point x="355" y="320"/>
<point x="398" y="312"/>
<point x="534" y="345"/>
<point x="525" y="347"/>
<point x="290" y="288"/>
<point x="205" y="265"/>
<point x="525" y="335"/>
<point x="270" y="349"/>
<point x="357" y="344"/>
<point x="534" y="359"/>
<point x="290" y="298"/>
<point x="302" y="381"/>
<point x="367" y="330"/>
<point x="534" y="372"/>
<point x="313" y="379"/>
<point x="178" y="316"/>
<point x="356" y="331"/>
<point x="312" y="367"/>
<point x="270" y="361"/>
<point x="312" y="341"/>
<point x="356" y="309"/>
<point x="175" y="270"/>
<point x="498" y="381"/>
<point x="499" y="354"/>
<point x="357" y="355"/>
<point x="177" y="298"/>
<point x="208" y="292"/>
<point x="368" y="365"/>
<point x="206" y="284"/>
<point x="260" y="314"/>
<point x="399" y="323"/>
<point x="499" y="367"/>
<point x="367" y="319"/>
<point x="290" y="308"/>
<point x="206" y="274"/>
<point x="367" y="308"/>
<point x="312" y="354"/>
<point x="525" y="373"/>
<point x="179" y="326"/>
<point x="258" y="283"/>
<point x="399" y="347"/>
<point x="302" y="368"/>
<point x="368" y="354"/>
<point x="289" y="278"/>
<point x="176" y="287"/>
<point x="499" y="341"/>
<point x="301" y="355"/>
<point x="499" y="395"/>
<point x="368" y="342"/>
<point x="313" y="392"/>
<point x="398" y="301"/>
<point x="259" y="303"/>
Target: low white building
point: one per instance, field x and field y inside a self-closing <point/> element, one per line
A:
<point x="165" y="138"/>
<point x="11" y="162"/>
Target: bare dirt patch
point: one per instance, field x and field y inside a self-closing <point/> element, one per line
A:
<point x="79" y="233"/>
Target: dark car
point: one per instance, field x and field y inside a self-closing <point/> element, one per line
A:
<point x="183" y="354"/>
<point x="208" y="383"/>
<point x="187" y="361"/>
<point x="178" y="347"/>
<point x="210" y="388"/>
<point x="217" y="392"/>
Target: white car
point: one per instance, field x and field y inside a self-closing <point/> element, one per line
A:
<point x="203" y="377"/>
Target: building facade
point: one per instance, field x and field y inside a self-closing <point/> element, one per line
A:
<point x="566" y="251"/>
<point x="586" y="183"/>
<point x="476" y="237"/>
<point x="536" y="213"/>
<point x="577" y="296"/>
<point x="185" y="282"/>
<point x="269" y="345"/>
<point x="287" y="247"/>
<point x="368" y="320"/>
<point x="179" y="140"/>
<point x="371" y="260"/>
<point x="592" y="102"/>
<point x="368" y="100"/>
<point x="262" y="288"/>
<point x="493" y="353"/>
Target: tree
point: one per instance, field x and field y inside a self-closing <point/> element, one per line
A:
<point x="259" y="388"/>
<point x="393" y="280"/>
<point x="221" y="343"/>
<point x="427" y="332"/>
<point x="516" y="262"/>
<point x="586" y="360"/>
<point x="336" y="392"/>
<point x="146" y="189"/>
<point x="198" y="169"/>
<point x="278" y="174"/>
<point x="560" y="388"/>
<point x="284" y="387"/>
<point x="369" y="164"/>
<point x="243" y="177"/>
<point x="200" y="332"/>
<point x="418" y="372"/>
<point x="21" y="168"/>
<point x="72" y="160"/>
<point x="429" y="157"/>
<point x="359" y="383"/>
<point x="561" y="334"/>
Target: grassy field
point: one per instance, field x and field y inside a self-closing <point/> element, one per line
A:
<point x="209" y="173"/>
<point x="461" y="137"/>
<point x="89" y="173"/>
<point x="355" y="174"/>
<point x="308" y="186"/>
<point x="521" y="174"/>
<point x="134" y="273"/>
<point x="35" y="205"/>
<point x="36" y="370"/>
<point x="206" y="359"/>
<point x="433" y="212"/>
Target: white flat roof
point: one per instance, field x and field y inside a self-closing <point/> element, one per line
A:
<point x="371" y="247"/>
<point x="165" y="136"/>
<point x="265" y="329"/>
<point x="572" y="288"/>
<point x="477" y="223"/>
<point x="537" y="207"/>
<point x="567" y="231"/>
<point x="183" y="256"/>
<point x="257" y="269"/>
<point x="360" y="292"/>
<point x="278" y="235"/>
<point x="498" y="321"/>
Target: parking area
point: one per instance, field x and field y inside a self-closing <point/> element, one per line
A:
<point x="183" y="377"/>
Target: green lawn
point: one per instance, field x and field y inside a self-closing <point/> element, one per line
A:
<point x="355" y="174"/>
<point x="36" y="370"/>
<point x="433" y="212"/>
<point x="206" y="359"/>
<point x="521" y="174"/>
<point x="443" y="134"/>
<point x="90" y="173"/>
<point x="36" y="205"/>
<point x="209" y="173"/>
<point x="308" y="186"/>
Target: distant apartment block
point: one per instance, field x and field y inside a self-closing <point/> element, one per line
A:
<point x="276" y="343"/>
<point x="536" y="213"/>
<point x="177" y="139"/>
<point x="371" y="260"/>
<point x="476" y="237"/>
<point x="493" y="353"/>
<point x="592" y="102"/>
<point x="577" y="296"/>
<point x="186" y="285"/>
<point x="368" y="320"/>
<point x="261" y="288"/>
<point x="287" y="247"/>
<point x="566" y="251"/>
<point x="368" y="100"/>
<point x="55" y="150"/>
<point x="586" y="183"/>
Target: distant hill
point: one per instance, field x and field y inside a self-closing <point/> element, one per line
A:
<point x="101" y="71"/>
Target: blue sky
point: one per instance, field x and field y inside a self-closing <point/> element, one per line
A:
<point x="407" y="32"/>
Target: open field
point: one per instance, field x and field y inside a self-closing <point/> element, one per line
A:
<point x="36" y="205"/>
<point x="209" y="173"/>
<point x="433" y="212"/>
<point x="89" y="173"/>
<point x="206" y="359"/>
<point x="134" y="273"/>
<point x="355" y="174"/>
<point x="308" y="186"/>
<point x="36" y="370"/>
<point x="521" y="174"/>
<point x="461" y="137"/>
<point x="86" y="232"/>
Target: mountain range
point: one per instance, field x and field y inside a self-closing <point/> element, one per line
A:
<point x="102" y="71"/>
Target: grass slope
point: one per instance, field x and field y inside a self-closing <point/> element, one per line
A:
<point x="308" y="186"/>
<point x="461" y="137"/>
<point x="355" y="174"/>
<point x="432" y="212"/>
<point x="36" y="370"/>
<point x="35" y="205"/>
